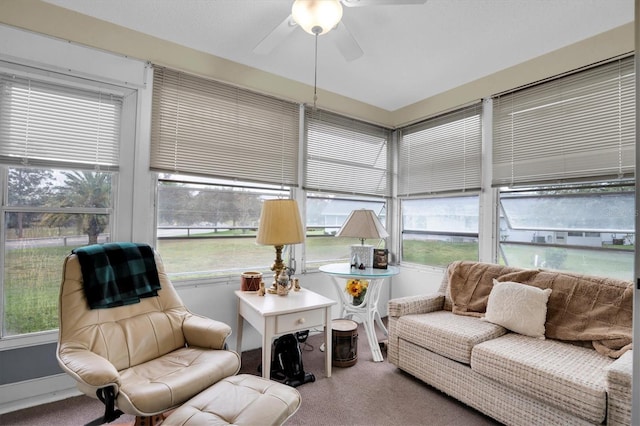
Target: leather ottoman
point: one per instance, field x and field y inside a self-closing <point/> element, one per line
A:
<point x="239" y="400"/>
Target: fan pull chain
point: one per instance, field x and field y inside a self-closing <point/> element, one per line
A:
<point x="315" y="75"/>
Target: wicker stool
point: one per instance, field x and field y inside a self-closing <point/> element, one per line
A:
<point x="240" y="400"/>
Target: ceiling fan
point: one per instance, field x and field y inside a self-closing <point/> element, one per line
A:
<point x="309" y="14"/>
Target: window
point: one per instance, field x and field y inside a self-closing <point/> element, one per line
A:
<point x="439" y="161"/>
<point x="573" y="130"/>
<point x="59" y="153"/>
<point x="47" y="213"/>
<point x="208" y="227"/>
<point x="346" y="168"/>
<point x="437" y="231"/>
<point x="589" y="230"/>
<point x="325" y="216"/>
<point x="220" y="150"/>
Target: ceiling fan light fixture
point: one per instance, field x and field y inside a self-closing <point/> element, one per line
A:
<point x="317" y="16"/>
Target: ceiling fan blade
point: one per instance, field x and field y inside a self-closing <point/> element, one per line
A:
<point x="347" y="44"/>
<point x="358" y="3"/>
<point x="275" y="37"/>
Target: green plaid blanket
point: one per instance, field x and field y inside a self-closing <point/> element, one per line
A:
<point x="117" y="274"/>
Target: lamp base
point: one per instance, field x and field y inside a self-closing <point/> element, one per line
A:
<point x="364" y="254"/>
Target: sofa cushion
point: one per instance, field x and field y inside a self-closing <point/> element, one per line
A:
<point x="518" y="307"/>
<point x="567" y="376"/>
<point x="446" y="333"/>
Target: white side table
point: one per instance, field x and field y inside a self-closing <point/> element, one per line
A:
<point x="274" y="315"/>
<point x="367" y="311"/>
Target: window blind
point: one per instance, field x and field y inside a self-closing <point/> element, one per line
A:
<point x="208" y="128"/>
<point x="46" y="124"/>
<point x="441" y="154"/>
<point x="575" y="127"/>
<point x="344" y="155"/>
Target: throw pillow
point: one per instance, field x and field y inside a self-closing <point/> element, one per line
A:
<point x="518" y="307"/>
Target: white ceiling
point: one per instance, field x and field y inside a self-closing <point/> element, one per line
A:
<point x="411" y="52"/>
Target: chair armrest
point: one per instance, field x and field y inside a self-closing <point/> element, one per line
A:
<point x="86" y="367"/>
<point x="619" y="379"/>
<point x="205" y="332"/>
<point x="415" y="304"/>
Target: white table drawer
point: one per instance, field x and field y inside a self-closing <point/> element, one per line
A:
<point x="299" y="320"/>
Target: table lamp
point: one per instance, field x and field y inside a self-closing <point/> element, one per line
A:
<point x="280" y="225"/>
<point x="362" y="224"/>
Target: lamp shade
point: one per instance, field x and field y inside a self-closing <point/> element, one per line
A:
<point x="280" y="223"/>
<point x="362" y="224"/>
<point x="316" y="16"/>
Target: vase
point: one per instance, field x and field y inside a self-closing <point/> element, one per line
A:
<point x="358" y="300"/>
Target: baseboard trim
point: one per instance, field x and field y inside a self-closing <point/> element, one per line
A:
<point x="30" y="393"/>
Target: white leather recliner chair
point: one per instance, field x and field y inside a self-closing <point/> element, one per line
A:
<point x="142" y="359"/>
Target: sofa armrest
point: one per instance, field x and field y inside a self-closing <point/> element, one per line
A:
<point x="619" y="379"/>
<point x="87" y="368"/>
<point x="415" y="304"/>
<point x="407" y="306"/>
<point x="205" y="332"/>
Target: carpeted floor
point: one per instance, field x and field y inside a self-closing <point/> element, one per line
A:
<point x="367" y="393"/>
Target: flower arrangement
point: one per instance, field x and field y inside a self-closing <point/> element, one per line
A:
<point x="357" y="288"/>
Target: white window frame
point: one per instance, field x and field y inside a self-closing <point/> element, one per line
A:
<point x="136" y="93"/>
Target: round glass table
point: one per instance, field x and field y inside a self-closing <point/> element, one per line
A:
<point x="367" y="310"/>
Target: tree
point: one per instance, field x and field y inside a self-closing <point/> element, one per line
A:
<point x="247" y="207"/>
<point x="28" y="187"/>
<point x="174" y="204"/>
<point x="83" y="189"/>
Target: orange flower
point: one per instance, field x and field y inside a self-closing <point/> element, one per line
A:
<point x="356" y="288"/>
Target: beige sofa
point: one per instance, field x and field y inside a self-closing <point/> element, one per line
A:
<point x="578" y="373"/>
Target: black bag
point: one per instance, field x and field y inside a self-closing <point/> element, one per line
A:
<point x="286" y="362"/>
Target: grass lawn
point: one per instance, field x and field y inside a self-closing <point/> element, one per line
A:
<point x="610" y="263"/>
<point x="438" y="253"/>
<point x="31" y="284"/>
<point x="32" y="275"/>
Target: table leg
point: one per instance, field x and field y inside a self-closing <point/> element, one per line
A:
<point x="373" y="317"/>
<point x="378" y="320"/>
<point x="369" y="328"/>
<point x="240" y="326"/>
<point x="266" y="355"/>
<point x="328" y="351"/>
